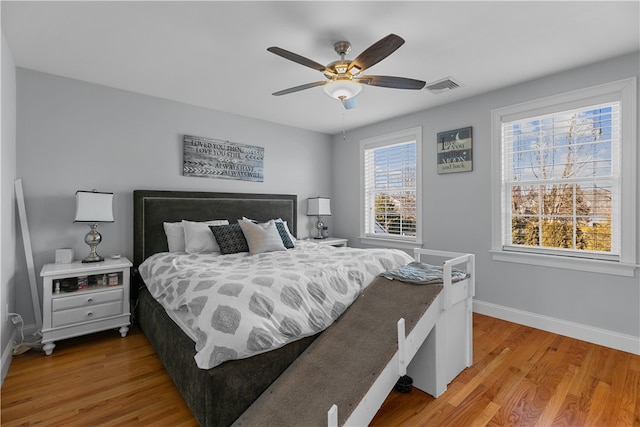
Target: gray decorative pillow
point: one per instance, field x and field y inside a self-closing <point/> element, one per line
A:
<point x="230" y="238"/>
<point x="262" y="237"/>
<point x="284" y="235"/>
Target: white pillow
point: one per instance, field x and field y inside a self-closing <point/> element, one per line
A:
<point x="262" y="237"/>
<point x="175" y="236"/>
<point x="198" y="237"/>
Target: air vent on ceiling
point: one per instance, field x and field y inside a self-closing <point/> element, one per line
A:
<point x="442" y="85"/>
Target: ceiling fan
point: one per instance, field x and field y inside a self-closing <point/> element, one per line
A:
<point x="345" y="77"/>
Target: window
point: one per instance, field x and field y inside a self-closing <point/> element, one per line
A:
<point x="564" y="177"/>
<point x="391" y="187"/>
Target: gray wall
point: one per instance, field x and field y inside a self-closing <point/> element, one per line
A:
<point x="74" y="135"/>
<point x="457" y="208"/>
<point x="7" y="203"/>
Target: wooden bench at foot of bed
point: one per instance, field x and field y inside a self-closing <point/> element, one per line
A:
<point x="343" y="377"/>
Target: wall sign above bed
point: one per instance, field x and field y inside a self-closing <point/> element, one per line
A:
<point x="213" y="158"/>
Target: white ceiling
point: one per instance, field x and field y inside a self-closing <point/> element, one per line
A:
<point x="213" y="54"/>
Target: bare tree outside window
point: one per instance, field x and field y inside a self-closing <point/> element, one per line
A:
<point x="561" y="190"/>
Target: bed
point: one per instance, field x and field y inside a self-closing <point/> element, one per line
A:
<point x="217" y="396"/>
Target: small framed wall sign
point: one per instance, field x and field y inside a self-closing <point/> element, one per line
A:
<point x="455" y="151"/>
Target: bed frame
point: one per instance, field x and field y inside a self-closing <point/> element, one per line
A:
<point x="219" y="395"/>
<point x="438" y="347"/>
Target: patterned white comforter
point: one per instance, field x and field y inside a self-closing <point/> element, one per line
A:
<point x="240" y="305"/>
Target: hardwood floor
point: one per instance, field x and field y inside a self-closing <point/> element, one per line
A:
<point x="520" y="376"/>
<point x="527" y="377"/>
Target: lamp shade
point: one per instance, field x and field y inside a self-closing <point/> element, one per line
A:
<point x="93" y="206"/>
<point x="319" y="206"/>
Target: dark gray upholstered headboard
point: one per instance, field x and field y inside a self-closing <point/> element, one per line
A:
<point x="152" y="208"/>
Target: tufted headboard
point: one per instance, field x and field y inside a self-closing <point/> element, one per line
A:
<point x="151" y="208"/>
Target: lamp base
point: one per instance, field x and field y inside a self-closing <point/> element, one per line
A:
<point x="93" y="239"/>
<point x="93" y="259"/>
<point x="319" y="225"/>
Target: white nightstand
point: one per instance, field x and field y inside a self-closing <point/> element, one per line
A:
<point x="102" y="305"/>
<point x="332" y="241"/>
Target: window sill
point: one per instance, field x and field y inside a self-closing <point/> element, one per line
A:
<point x="390" y="243"/>
<point x="580" y="264"/>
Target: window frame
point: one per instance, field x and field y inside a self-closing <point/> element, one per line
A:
<point x="382" y="141"/>
<point x="623" y="91"/>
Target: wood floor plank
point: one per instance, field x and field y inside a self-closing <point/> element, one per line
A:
<point x="486" y="375"/>
<point x="520" y="376"/>
<point x="629" y="410"/>
<point x="513" y="382"/>
<point x="551" y="409"/>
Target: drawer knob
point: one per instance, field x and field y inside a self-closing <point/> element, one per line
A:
<point x="89" y="299"/>
<point x="89" y="314"/>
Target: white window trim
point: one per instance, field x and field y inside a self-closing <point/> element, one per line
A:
<point x="624" y="91"/>
<point x="390" y="138"/>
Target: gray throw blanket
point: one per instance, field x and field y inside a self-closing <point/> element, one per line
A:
<point x="423" y="274"/>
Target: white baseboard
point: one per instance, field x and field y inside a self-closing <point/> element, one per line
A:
<point x="7" y="355"/>
<point x="618" y="341"/>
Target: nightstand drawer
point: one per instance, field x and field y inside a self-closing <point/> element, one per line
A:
<point x="86" y="299"/>
<point x="85" y="314"/>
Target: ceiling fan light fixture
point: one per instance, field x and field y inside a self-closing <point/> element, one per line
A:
<point x="342" y="89"/>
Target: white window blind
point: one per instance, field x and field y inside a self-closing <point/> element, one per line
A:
<point x="561" y="182"/>
<point x="390" y="181"/>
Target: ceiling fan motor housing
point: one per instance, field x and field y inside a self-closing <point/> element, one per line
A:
<point x="337" y="70"/>
<point x="342" y="48"/>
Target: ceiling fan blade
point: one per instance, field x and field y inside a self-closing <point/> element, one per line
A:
<point x="298" y="88"/>
<point x="376" y="52"/>
<point x="392" y="82"/>
<point x="297" y="58"/>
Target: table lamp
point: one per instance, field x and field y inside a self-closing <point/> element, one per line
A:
<point x="93" y="207"/>
<point x="319" y="206"/>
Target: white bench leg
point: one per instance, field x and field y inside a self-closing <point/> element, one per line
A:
<point x="426" y="368"/>
<point x="446" y="351"/>
<point x="332" y="416"/>
<point x="402" y="349"/>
